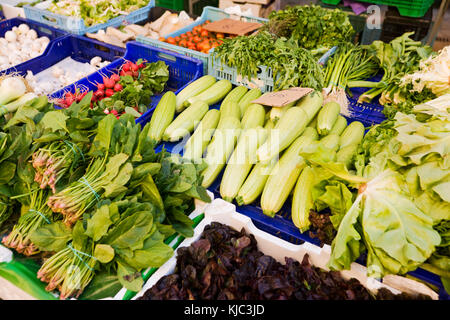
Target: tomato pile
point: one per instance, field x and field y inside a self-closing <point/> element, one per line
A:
<point x="198" y="39"/>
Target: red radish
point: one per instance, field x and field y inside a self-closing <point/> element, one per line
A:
<point x="109" y="92"/>
<point x="114" y="112"/>
<point x="126" y="67"/>
<point x="99" y="94"/>
<point x="81" y="96"/>
<point x="101" y="86"/>
<point x="109" y="83"/>
<point x="134" y="67"/>
<point x="141" y="66"/>
<point x="135" y="74"/>
<point x="115" y="77"/>
<point x="118" y="87"/>
<point x="69" y="99"/>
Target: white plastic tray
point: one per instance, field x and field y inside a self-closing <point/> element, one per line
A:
<point x="224" y="212"/>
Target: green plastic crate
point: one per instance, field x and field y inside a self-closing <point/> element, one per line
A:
<point x="177" y="5"/>
<point x="407" y="8"/>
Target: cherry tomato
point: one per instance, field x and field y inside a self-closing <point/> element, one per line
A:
<point x="177" y="39"/>
<point x="196" y="39"/>
<point x="183" y="43"/>
<point x="189" y="34"/>
<point x="204" y="33"/>
<point x="162" y="39"/>
<point x="183" y="36"/>
<point x="219" y="35"/>
<point x="171" y="40"/>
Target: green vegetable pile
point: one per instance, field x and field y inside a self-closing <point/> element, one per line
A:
<point x="291" y="64"/>
<point x="97" y="11"/>
<point x="313" y="26"/>
<point x="397" y="58"/>
<point x="90" y="195"/>
<point x="392" y="202"/>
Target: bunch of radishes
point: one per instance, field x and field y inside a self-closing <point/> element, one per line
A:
<point x="131" y="69"/>
<point x="70" y="98"/>
<point x="106" y="89"/>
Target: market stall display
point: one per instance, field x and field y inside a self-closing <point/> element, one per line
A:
<point x="310" y="146"/>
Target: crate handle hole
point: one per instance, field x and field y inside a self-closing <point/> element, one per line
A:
<point x="167" y="57"/>
<point x="45" y="31"/>
<point x="50" y="19"/>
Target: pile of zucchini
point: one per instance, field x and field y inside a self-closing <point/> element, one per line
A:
<point x="257" y="147"/>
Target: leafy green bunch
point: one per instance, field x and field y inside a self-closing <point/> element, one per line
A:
<point x="291" y="64"/>
<point x="312" y="25"/>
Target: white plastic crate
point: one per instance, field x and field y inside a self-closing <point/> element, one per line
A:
<point x="225" y="213"/>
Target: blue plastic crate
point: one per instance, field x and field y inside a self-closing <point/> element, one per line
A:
<point x="42" y="30"/>
<point x="77" y="26"/>
<point x="209" y="13"/>
<point x="79" y="48"/>
<point x="182" y="71"/>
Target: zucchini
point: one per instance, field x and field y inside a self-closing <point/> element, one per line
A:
<point x="197" y="143"/>
<point x="311" y="104"/>
<point x="353" y="134"/>
<point x="193" y="89"/>
<point x="302" y="201"/>
<point x="327" y="117"/>
<point x="284" y="175"/>
<point x="247" y="99"/>
<point x="277" y="112"/>
<point x="162" y="116"/>
<point x="286" y="130"/>
<point x="236" y="94"/>
<point x="214" y="93"/>
<point x="230" y="109"/>
<point x="241" y="161"/>
<point x="255" y="182"/>
<point x="185" y="122"/>
<point x="339" y="125"/>
<point x="220" y="148"/>
<point x="254" y="116"/>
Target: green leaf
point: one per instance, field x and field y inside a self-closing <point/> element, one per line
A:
<point x="55" y="120"/>
<point x="131" y="231"/>
<point x="346" y="246"/>
<point x="104" y="253"/>
<point x="131" y="111"/>
<point x="129" y="277"/>
<point x="99" y="223"/>
<point x="79" y="237"/>
<point x="7" y="171"/>
<point x="113" y="166"/>
<point x="155" y="254"/>
<point x="52" y="237"/>
<point x="103" y="285"/>
<point x="181" y="186"/>
<point x="151" y="192"/>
